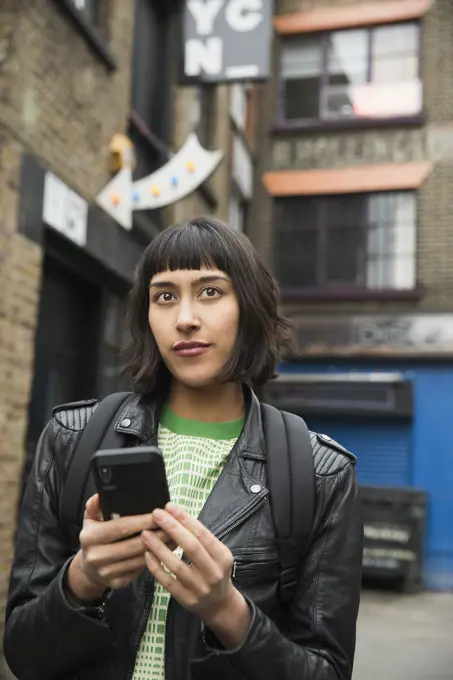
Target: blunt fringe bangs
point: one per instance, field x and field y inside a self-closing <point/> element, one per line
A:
<point x="199" y="243"/>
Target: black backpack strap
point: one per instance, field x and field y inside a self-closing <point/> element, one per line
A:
<point x="291" y="481"/>
<point x="97" y="434"/>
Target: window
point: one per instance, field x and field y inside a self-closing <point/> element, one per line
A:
<point x="151" y="73"/>
<point x="237" y="211"/>
<point x="356" y="241"/>
<point x="150" y="128"/>
<point x="204" y="114"/>
<point x="111" y="376"/>
<point x="239" y="100"/>
<point x="88" y="8"/>
<point x="371" y="73"/>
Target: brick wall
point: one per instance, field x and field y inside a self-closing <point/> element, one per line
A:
<point x="58" y="98"/>
<point x="19" y="283"/>
<point x="433" y="141"/>
<point x="59" y="101"/>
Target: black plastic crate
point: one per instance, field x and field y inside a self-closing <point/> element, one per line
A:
<point x="395" y="522"/>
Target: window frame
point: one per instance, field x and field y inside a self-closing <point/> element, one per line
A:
<point x="343" y="291"/>
<point x="90" y="32"/>
<point x="308" y="124"/>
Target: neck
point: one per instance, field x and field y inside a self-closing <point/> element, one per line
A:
<point x="214" y="404"/>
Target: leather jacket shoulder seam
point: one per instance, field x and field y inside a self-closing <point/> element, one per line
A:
<point x="49" y="464"/>
<point x="337" y="470"/>
<point x="65" y="426"/>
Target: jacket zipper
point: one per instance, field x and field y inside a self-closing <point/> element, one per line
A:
<point x="149" y="595"/>
<point x="142" y="625"/>
<point x="242" y="518"/>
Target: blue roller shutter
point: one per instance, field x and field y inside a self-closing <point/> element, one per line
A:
<point x="383" y="449"/>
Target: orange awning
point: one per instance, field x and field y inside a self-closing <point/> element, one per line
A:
<point x="357" y="179"/>
<point x="369" y="14"/>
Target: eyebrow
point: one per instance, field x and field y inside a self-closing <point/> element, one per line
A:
<point x="194" y="284"/>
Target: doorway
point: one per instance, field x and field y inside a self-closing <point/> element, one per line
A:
<point x="65" y="347"/>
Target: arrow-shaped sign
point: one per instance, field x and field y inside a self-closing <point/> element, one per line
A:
<point x="184" y="172"/>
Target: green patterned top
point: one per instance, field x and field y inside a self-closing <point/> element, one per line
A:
<point x="194" y="454"/>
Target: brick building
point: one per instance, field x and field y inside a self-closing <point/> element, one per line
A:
<point x="353" y="209"/>
<point x="74" y="73"/>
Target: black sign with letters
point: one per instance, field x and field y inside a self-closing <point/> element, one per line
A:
<point x="227" y="40"/>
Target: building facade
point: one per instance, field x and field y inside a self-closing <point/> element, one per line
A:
<point x="73" y="74"/>
<point x="353" y="210"/>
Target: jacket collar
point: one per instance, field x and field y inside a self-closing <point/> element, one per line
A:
<point x="140" y="418"/>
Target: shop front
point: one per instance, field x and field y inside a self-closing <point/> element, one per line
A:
<point x="87" y="269"/>
<point x="382" y="386"/>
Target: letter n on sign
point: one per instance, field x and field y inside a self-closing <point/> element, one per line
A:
<point x="226" y="41"/>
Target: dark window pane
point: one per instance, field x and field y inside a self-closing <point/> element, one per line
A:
<point x="296" y="242"/>
<point x="344" y="254"/>
<point x="301" y="98"/>
<point x="344" y="222"/>
<point x="301" y="70"/>
<point x="297" y="258"/>
<point x="151" y="68"/>
<point x="204" y="114"/>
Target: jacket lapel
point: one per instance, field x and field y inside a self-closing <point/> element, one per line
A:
<point x="240" y="489"/>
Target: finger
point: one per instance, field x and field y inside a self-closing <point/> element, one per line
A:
<point x="190" y="544"/>
<point x="119" y="569"/>
<point x="125" y="580"/>
<point x="100" y="555"/>
<point x="114" y="530"/>
<point x="162" y="536"/>
<point x="215" y="548"/>
<point x="171" y="585"/>
<point x="93" y="509"/>
<point x="185" y="574"/>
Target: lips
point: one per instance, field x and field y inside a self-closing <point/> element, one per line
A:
<point x="190" y="349"/>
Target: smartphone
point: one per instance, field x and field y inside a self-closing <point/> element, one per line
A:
<point x="130" y="481"/>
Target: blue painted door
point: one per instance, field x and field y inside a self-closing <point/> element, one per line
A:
<point x="383" y="449"/>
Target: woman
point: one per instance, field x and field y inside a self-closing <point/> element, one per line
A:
<point x="204" y="327"/>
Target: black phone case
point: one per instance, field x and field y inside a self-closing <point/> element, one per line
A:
<point x="130" y="481"/>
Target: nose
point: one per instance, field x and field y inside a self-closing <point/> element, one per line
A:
<point x="187" y="318"/>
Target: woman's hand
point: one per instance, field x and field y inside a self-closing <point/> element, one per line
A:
<point x="204" y="587"/>
<point x="111" y="553"/>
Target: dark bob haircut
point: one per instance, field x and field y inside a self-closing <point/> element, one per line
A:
<point x="199" y="243"/>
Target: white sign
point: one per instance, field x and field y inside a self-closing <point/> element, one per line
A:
<point x="238" y="105"/>
<point x="183" y="174"/>
<point x="64" y="210"/>
<point x="388" y="100"/>
<point x="226" y="40"/>
<point x="242" y="168"/>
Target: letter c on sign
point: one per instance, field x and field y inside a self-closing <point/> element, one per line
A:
<point x="244" y="15"/>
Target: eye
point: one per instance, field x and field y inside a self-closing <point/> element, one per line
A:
<point x="211" y="292"/>
<point x="164" y="298"/>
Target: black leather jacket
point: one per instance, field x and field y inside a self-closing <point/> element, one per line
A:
<point x="312" y="638"/>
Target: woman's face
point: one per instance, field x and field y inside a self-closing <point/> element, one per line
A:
<point x="194" y="318"/>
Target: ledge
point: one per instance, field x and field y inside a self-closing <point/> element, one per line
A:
<point x="89" y="32"/>
<point x="347" y="180"/>
<point x="353" y="124"/>
<point x="344" y="295"/>
<point x="353" y="16"/>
